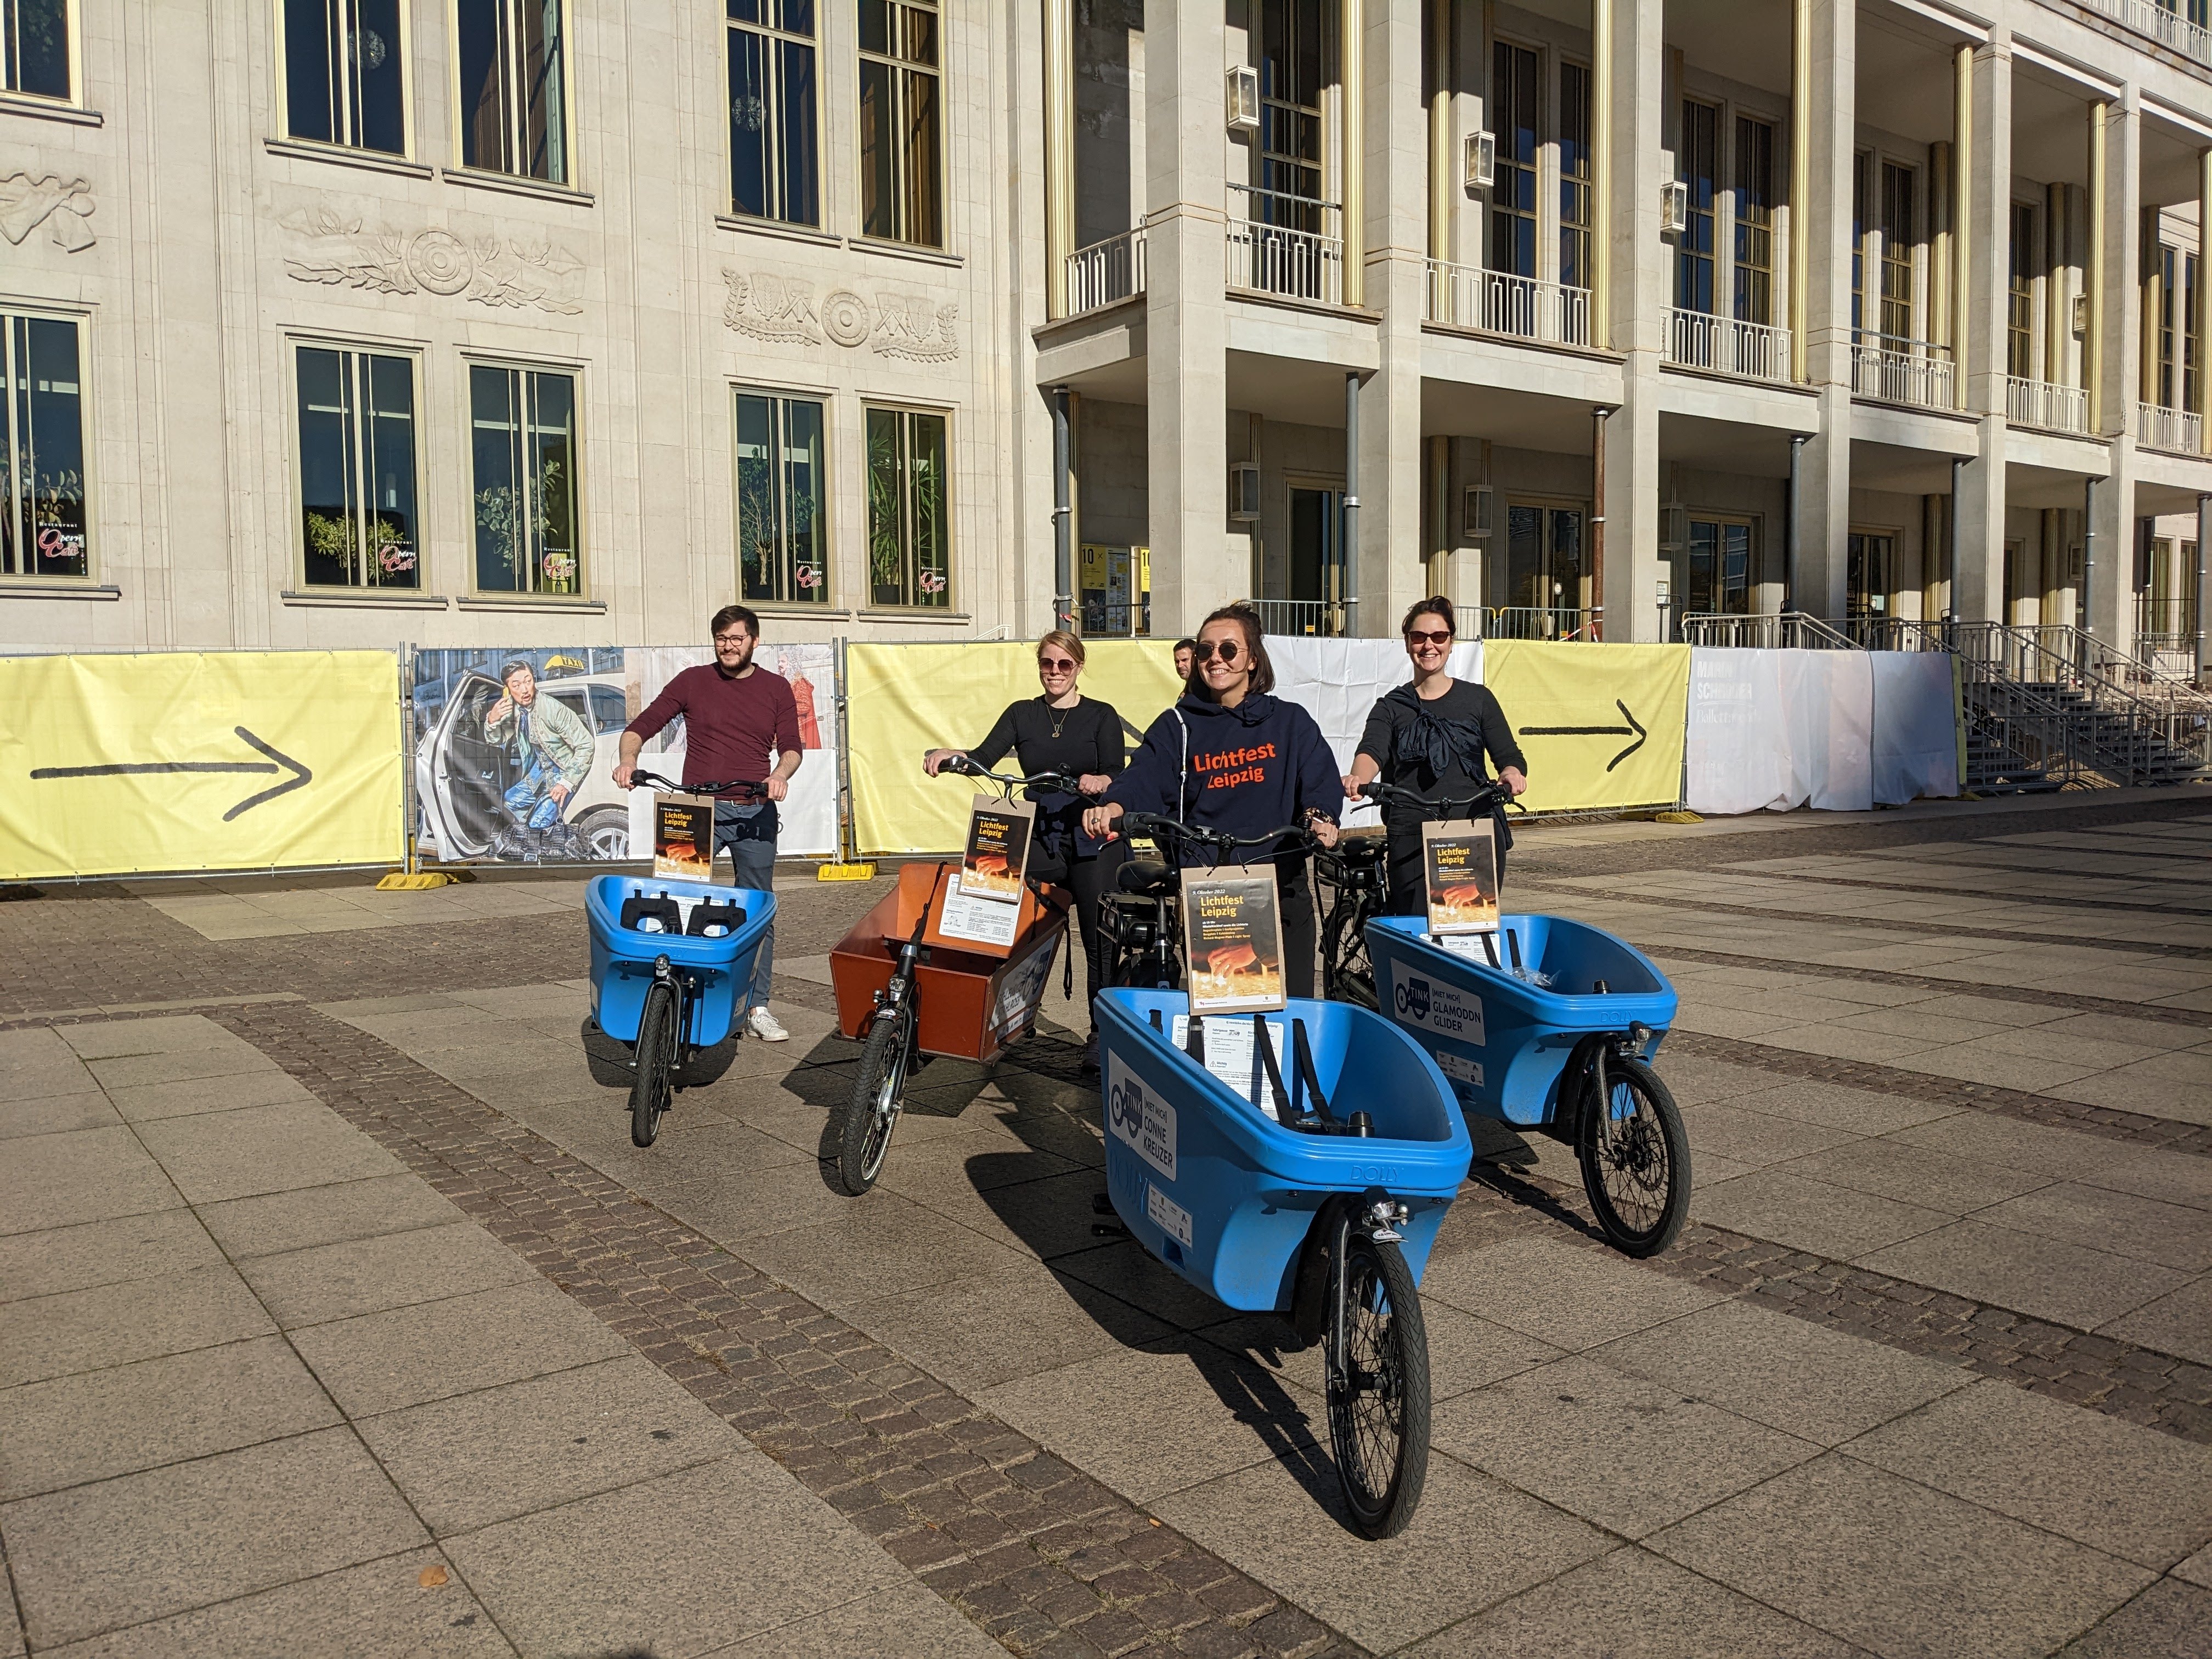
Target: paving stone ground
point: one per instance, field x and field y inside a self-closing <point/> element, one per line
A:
<point x="338" y="1316"/>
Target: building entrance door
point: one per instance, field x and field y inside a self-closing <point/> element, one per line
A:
<point x="1318" y="594"/>
<point x="1547" y="587"/>
<point x="1869" y="568"/>
<point x="1712" y="577"/>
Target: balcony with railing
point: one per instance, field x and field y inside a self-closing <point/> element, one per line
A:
<point x="1723" y="345"/>
<point x="1892" y="369"/>
<point x="1286" y="244"/>
<point x="1517" y="307"/>
<point x="2179" y="430"/>
<point x="2040" y="403"/>
<point x="1106" y="273"/>
<point x="2166" y="22"/>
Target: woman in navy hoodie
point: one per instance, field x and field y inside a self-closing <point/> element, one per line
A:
<point x="1229" y="757"/>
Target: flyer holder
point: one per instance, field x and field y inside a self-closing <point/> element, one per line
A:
<point x="683" y="836"/>
<point x="1459" y="869"/>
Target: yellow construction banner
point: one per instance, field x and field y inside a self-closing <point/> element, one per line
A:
<point x="118" y="765"/>
<point x="901" y="700"/>
<point x="1602" y="726"/>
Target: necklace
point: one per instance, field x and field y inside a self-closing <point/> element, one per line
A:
<point x="1062" y="720"/>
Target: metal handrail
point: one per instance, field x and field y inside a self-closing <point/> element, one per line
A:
<point x="1106" y="272"/>
<point x="2180" y="430"/>
<point x="1264" y="256"/>
<point x="1328" y="619"/>
<point x="1499" y="302"/>
<point x="2169" y="27"/>
<point x="1788" y="630"/>
<point x="1897" y="369"/>
<point x="1560" y="623"/>
<point x="2046" y="405"/>
<point x="1751" y="351"/>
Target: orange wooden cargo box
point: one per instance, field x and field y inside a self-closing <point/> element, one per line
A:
<point x="972" y="1001"/>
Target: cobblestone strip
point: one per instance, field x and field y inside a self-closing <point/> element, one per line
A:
<point x="2118" y="1379"/>
<point x="2044" y="900"/>
<point x="2124" y="1010"/>
<point x="2107" y="1122"/>
<point x="1758" y="913"/>
<point x="1047" y="1561"/>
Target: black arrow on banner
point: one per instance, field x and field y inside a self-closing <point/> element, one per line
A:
<point x="277" y="762"/>
<point x="1633" y="729"/>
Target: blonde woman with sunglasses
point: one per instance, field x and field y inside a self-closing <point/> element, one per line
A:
<point x="1060" y="730"/>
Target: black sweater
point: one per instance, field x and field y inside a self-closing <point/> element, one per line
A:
<point x="1089" y="741"/>
<point x="1247" y="769"/>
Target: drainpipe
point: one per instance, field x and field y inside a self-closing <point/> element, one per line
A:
<point x="2088" y="557"/>
<point x="1598" y="413"/>
<point x="2197" y="576"/>
<point x="1951" y="551"/>
<point x="1063" y="521"/>
<point x="1789" y="542"/>
<point x="1350" y="594"/>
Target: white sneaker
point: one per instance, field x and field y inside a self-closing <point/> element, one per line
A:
<point x="766" y="1026"/>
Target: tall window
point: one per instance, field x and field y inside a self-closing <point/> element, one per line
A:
<point x="774" y="164"/>
<point x="782" y="552"/>
<point x="1574" y="175"/>
<point x="901" y="179"/>
<point x="909" y="526"/>
<point x="34" y="47"/>
<point x="1858" y="242"/>
<point x="2020" y="297"/>
<point x="1695" y="162"/>
<point x="1754" y="220"/>
<point x="2167" y="296"/>
<point x="42" y="459"/>
<point x="1513" y="194"/>
<point x="1897" y="230"/>
<point x="512" y="61"/>
<point x="2189" y="330"/>
<point x="343" y="75"/>
<point x="358" y="525"/>
<point x="523" y="490"/>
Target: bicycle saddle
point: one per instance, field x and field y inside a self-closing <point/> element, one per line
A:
<point x="1147" y="876"/>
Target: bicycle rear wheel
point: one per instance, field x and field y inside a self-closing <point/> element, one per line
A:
<point x="878" y="1096"/>
<point x="1347" y="971"/>
<point x="1378" y="1388"/>
<point x="1635" y="1159"/>
<point x="651" y="1090"/>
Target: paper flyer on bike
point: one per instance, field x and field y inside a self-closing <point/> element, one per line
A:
<point x="1459" y="861"/>
<point x="684" y="836"/>
<point x="997" y="848"/>
<point x="1233" y="943"/>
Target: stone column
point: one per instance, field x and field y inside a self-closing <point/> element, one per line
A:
<point x="1186" y="370"/>
<point x="1354" y="19"/>
<point x="2201" y="322"/>
<point x="1059" y="151"/>
<point x="1962" y="210"/>
<point x="1978" y="306"/>
<point x="2116" y="333"/>
<point x="2200" y="587"/>
<point x="1824" y="480"/>
<point x="1392" y="573"/>
<point x="1635" y="276"/>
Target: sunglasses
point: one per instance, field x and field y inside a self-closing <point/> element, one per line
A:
<point x="1057" y="665"/>
<point x="1419" y="636"/>
<point x="1205" y="649"/>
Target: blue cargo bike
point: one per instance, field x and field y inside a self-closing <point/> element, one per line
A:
<point x="1303" y="1169"/>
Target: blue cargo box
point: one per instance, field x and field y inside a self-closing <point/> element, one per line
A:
<point x="623" y="958"/>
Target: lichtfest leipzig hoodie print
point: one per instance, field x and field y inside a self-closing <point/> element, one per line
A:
<point x="1245" y="770"/>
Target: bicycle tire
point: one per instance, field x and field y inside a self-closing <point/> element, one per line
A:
<point x="878" y="1096"/>
<point x="1378" y="1391"/>
<point x="1347" y="971"/>
<point x="1648" y="1159"/>
<point x="650" y="1091"/>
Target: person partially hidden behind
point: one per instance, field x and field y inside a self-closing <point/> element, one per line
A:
<point x="551" y="746"/>
<point x="1229" y="757"/>
<point x="1433" y="735"/>
<point x="736" y="715"/>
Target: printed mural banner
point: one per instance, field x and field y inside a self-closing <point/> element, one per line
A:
<point x="182" y="761"/>
<point x="532" y="781"/>
<point x="1602" y="725"/>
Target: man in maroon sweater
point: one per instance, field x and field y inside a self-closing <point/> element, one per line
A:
<point x="734" y="714"/>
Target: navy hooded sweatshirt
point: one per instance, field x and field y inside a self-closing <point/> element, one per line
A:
<point x="1250" y="770"/>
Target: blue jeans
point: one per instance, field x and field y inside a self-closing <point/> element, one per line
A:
<point x="528" y="800"/>
<point x="753" y="865"/>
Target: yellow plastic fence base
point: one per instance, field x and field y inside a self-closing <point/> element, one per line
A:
<point x="397" y="882"/>
<point x="844" y="872"/>
<point x="1676" y="817"/>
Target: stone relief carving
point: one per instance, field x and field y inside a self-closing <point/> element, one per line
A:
<point x="782" y="309"/>
<point x="62" y="204"/>
<point x="491" y="271"/>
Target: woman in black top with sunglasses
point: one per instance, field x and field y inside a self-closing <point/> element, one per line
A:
<point x="1062" y="731"/>
<point x="1434" y="734"/>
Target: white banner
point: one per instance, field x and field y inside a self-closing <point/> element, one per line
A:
<point x="1780" y="729"/>
<point x="1337" y="682"/>
<point x="1916" y="726"/>
<point x="1829" y="698"/>
<point x="810" y="814"/>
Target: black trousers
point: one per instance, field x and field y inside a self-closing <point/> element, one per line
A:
<point x="1086" y="878"/>
<point x="1294" y="894"/>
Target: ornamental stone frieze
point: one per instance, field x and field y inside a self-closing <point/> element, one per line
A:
<point x="61" y="204"/>
<point x="498" y="271"/>
<point x="782" y="309"/>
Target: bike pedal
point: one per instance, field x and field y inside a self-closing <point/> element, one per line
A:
<point x="1108" y="1229"/>
<point x="1101" y="1204"/>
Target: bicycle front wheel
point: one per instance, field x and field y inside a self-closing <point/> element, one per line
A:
<point x="1636" y="1159"/>
<point x="1378" y="1388"/>
<point x="878" y="1096"/>
<point x="1347" y="971"/>
<point x="650" y="1091"/>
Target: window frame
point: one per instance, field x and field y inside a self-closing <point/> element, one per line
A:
<point x="72" y="20"/>
<point x="1529" y="65"/>
<point x="357" y="346"/>
<point x="1745" y="229"/>
<point x="815" y="44"/>
<point x="1688" y="257"/>
<point x="81" y="320"/>
<point x="827" y="602"/>
<point x="2024" y="279"/>
<point x="937" y="71"/>
<point x="458" y="121"/>
<point x="509" y="364"/>
<point x="1582" y="183"/>
<point x="899" y="406"/>
<point x="282" y="105"/>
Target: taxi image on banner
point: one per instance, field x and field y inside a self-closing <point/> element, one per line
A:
<point x="484" y="788"/>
